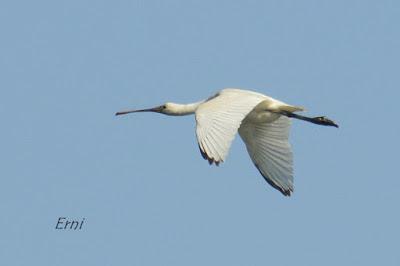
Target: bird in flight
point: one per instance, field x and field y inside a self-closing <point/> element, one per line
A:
<point x="262" y="122"/>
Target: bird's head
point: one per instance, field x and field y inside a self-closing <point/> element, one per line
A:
<point x="166" y="108"/>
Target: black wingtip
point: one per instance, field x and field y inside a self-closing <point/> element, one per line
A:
<point x="203" y="154"/>
<point x="285" y="192"/>
<point x="206" y="157"/>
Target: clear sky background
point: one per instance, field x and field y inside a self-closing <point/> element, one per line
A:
<point x="147" y="196"/>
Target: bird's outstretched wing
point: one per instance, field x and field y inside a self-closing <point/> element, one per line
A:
<point x="269" y="148"/>
<point x="218" y="120"/>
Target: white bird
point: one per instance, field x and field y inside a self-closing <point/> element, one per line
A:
<point x="263" y="124"/>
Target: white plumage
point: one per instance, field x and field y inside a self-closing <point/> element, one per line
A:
<point x="262" y="122"/>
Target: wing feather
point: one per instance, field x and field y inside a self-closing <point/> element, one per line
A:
<point x="270" y="151"/>
<point x="218" y="120"/>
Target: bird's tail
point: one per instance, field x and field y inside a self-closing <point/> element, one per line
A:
<point x="291" y="108"/>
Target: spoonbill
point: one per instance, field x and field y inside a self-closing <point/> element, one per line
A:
<point x="262" y="122"/>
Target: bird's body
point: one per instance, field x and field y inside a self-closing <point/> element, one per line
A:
<point x="262" y="122"/>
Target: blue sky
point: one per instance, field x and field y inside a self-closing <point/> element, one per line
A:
<point x="147" y="196"/>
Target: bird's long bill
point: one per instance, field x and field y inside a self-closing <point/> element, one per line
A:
<point x="154" y="109"/>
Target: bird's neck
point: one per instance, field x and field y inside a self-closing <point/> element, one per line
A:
<point x="183" y="109"/>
